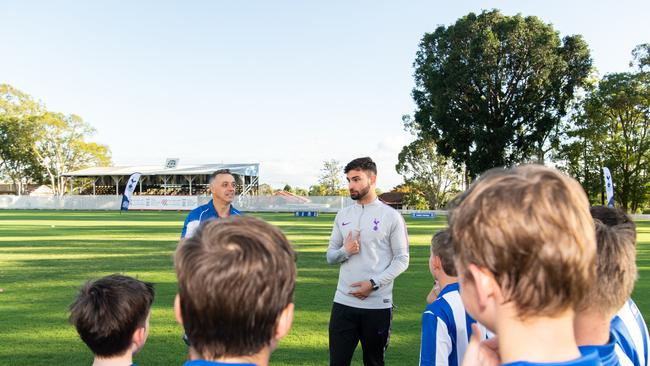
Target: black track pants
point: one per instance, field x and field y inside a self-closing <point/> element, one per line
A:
<point x="350" y="325"/>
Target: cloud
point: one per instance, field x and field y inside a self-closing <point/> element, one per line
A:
<point x="385" y="155"/>
<point x="296" y="172"/>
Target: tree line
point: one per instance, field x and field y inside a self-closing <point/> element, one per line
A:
<point x="490" y="91"/>
<point x="494" y="90"/>
<point x="37" y="146"/>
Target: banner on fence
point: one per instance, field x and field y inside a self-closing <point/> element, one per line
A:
<point x="163" y="202"/>
<point x="423" y="215"/>
<point x="128" y="191"/>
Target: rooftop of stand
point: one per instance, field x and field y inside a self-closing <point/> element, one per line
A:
<point x="190" y="169"/>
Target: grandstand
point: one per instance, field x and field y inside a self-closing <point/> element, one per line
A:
<point x="155" y="180"/>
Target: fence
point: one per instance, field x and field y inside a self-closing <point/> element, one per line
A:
<point x="245" y="203"/>
<point x="186" y="203"/>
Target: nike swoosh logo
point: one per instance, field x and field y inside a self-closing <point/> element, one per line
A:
<point x="345" y="223"/>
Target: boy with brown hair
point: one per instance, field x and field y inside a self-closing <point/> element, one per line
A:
<point x="525" y="245"/>
<point x="111" y="315"/>
<point x="615" y="276"/>
<point x="616" y="235"/>
<point x="445" y="324"/>
<point x="236" y="278"/>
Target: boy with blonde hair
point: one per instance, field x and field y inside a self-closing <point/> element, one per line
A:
<point x="525" y="245"/>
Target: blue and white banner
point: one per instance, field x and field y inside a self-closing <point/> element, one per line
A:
<point x="128" y="191"/>
<point x="609" y="187"/>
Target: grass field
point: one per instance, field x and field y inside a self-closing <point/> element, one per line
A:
<point x="46" y="255"/>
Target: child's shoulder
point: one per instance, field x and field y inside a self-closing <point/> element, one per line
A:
<point x="442" y="307"/>
<point x="587" y="359"/>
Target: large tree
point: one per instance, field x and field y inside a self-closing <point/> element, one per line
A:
<point x="18" y="163"/>
<point x="581" y="156"/>
<point x="18" y="134"/>
<point x="15" y="103"/>
<point x="428" y="173"/>
<point x="491" y="89"/>
<point x="613" y="130"/>
<point x="63" y="147"/>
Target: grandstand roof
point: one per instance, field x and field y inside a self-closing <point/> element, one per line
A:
<point x="197" y="169"/>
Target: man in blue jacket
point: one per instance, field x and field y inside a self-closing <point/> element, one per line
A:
<point x="223" y="188"/>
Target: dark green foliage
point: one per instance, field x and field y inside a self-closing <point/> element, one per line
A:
<point x="430" y="176"/>
<point x="613" y="130"/>
<point x="491" y="89"/>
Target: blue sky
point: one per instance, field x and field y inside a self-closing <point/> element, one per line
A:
<point x="288" y="84"/>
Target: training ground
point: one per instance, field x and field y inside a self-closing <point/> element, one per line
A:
<point x="46" y="255"/>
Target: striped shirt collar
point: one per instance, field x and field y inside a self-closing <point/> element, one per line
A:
<point x="449" y="288"/>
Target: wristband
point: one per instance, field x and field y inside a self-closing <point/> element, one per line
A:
<point x="375" y="286"/>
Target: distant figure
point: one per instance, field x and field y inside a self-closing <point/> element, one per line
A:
<point x="370" y="242"/>
<point x="236" y="278"/>
<point x="223" y="189"/>
<point x="111" y="315"/>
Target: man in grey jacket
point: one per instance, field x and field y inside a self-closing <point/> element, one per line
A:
<point x="370" y="242"/>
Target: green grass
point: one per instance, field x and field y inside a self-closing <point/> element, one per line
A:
<point x="46" y="255"/>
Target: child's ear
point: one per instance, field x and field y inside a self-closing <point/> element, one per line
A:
<point x="177" y="309"/>
<point x="285" y="320"/>
<point x="139" y="337"/>
<point x="485" y="285"/>
<point x="437" y="263"/>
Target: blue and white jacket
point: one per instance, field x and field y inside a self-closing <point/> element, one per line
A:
<point x="200" y="214"/>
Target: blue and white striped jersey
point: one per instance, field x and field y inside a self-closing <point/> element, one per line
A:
<point x="610" y="354"/>
<point x="631" y="333"/>
<point x="446" y="329"/>
<point x="201" y="214"/>
<point x="588" y="359"/>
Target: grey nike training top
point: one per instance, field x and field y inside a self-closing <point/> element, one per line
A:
<point x="383" y="253"/>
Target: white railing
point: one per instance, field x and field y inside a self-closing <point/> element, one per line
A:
<point x="244" y="203"/>
<point x="60" y="203"/>
<point x="183" y="203"/>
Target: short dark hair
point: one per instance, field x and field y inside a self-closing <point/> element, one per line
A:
<point x="220" y="171"/>
<point x="235" y="277"/>
<point x="365" y="164"/>
<point x="610" y="216"/>
<point x="108" y="311"/>
<point x="443" y="247"/>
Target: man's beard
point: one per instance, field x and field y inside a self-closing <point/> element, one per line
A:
<point x="360" y="194"/>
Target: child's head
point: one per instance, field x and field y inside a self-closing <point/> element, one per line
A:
<point x="524" y="238"/>
<point x="442" y="254"/>
<point x="615" y="262"/>
<point x="611" y="216"/>
<point x="236" y="279"/>
<point x="111" y="314"/>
